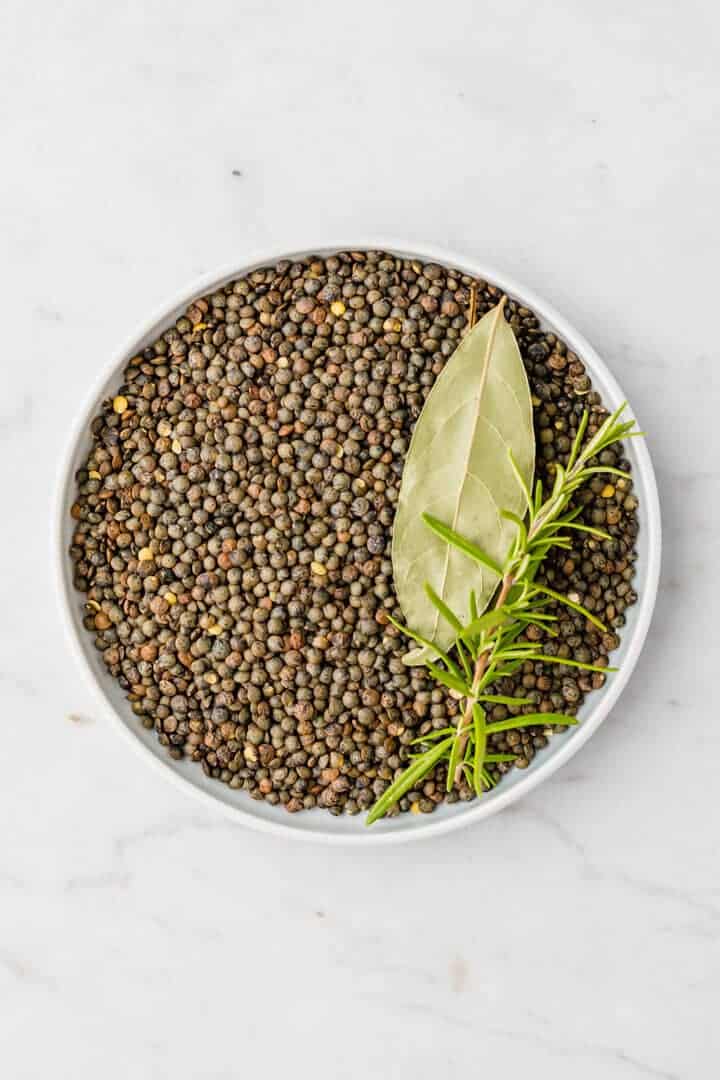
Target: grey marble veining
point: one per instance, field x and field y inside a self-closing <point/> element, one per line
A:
<point x="574" y="145"/>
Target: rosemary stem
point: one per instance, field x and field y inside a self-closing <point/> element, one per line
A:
<point x="465" y="722"/>
<point x="547" y="513"/>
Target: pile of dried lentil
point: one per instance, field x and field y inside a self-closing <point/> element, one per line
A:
<point x="233" y="524"/>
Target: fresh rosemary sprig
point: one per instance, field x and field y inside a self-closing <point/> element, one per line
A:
<point x="488" y="647"/>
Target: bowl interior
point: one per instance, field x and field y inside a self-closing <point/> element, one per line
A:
<point x="318" y="823"/>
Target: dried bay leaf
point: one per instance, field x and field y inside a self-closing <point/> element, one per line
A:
<point x="458" y="470"/>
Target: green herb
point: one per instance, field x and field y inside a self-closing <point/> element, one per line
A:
<point x="489" y="647"/>
<point x="460" y="471"/>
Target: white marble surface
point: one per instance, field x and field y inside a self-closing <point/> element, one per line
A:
<point x="575" y="145"/>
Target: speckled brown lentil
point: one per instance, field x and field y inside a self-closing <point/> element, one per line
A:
<point x="233" y="521"/>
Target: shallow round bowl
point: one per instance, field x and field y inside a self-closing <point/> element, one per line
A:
<point x="319" y="824"/>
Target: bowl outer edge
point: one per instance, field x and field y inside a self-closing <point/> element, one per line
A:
<point x="643" y="473"/>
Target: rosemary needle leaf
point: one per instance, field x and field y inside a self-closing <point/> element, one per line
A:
<point x="421" y="767"/>
<point x="487" y="779"/>
<point x="489" y="621"/>
<point x="517" y="656"/>
<point x="510" y="633"/>
<point x="559" y="522"/>
<point x="591" y="470"/>
<point x="536" y="617"/>
<point x="503" y="671"/>
<point x="560" y="540"/>
<point x="582" y="428"/>
<point x="530" y="720"/>
<point x="599" y="533"/>
<point x="451" y="665"/>
<point x="461" y="543"/>
<point x="509" y="516"/>
<point x="432" y="736"/>
<point x="544" y="546"/>
<point x="448" y="679"/>
<point x="457" y="747"/>
<point x="461" y="651"/>
<point x="502" y="699"/>
<point x="467" y="773"/>
<point x="447" y="613"/>
<point x="520" y="479"/>
<point x="480" y="731"/>
<point x="572" y="663"/>
<point x="572" y="604"/>
<point x="511" y="649"/>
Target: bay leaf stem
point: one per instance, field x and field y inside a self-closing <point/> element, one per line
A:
<point x="472" y="313"/>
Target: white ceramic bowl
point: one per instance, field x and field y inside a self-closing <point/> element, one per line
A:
<point x="318" y="824"/>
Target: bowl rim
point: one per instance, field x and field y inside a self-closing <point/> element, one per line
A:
<point x="424" y="827"/>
